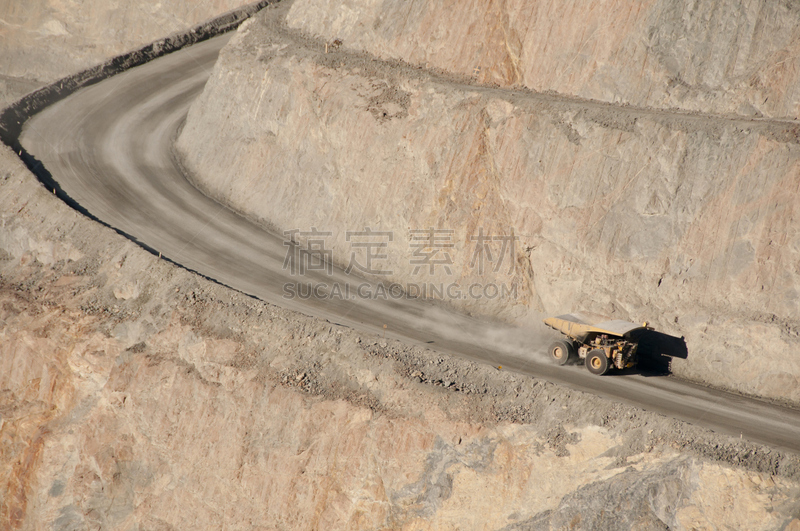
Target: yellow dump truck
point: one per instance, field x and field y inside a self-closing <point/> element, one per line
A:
<point x="600" y="342"/>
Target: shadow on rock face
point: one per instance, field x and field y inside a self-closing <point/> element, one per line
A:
<point x="656" y="351"/>
<point x="629" y="500"/>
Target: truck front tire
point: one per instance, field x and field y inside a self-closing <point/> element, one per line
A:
<point x="597" y="362"/>
<point x="562" y="352"/>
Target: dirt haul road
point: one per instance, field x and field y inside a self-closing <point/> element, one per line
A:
<point x="109" y="148"/>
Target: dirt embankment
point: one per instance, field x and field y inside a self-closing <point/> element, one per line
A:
<point x="684" y="220"/>
<point x="44" y="40"/>
<point x="134" y="393"/>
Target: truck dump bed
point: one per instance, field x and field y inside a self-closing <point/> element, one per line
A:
<point x="579" y="326"/>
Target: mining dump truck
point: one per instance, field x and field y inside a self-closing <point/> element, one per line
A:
<point x="602" y="343"/>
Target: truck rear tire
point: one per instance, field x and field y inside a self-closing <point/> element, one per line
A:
<point x="597" y="362"/>
<point x="562" y="352"/>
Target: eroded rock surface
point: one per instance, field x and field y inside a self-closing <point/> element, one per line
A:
<point x="687" y="221"/>
<point x="134" y="394"/>
<point x="137" y="394"/>
<point x="722" y="56"/>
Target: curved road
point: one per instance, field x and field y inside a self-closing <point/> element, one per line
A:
<point x="109" y="148"/>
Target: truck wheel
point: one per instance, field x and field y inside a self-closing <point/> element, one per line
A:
<point x="597" y="362"/>
<point x="562" y="352"/>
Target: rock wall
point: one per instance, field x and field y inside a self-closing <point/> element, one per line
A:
<point x="44" y="40"/>
<point x="722" y="56"/>
<point x="684" y="220"/>
<point x="135" y="394"/>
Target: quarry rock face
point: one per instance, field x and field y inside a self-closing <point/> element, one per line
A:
<point x="683" y="220"/>
<point x="44" y="40"/>
<point x="137" y="395"/>
<point x="720" y="56"/>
